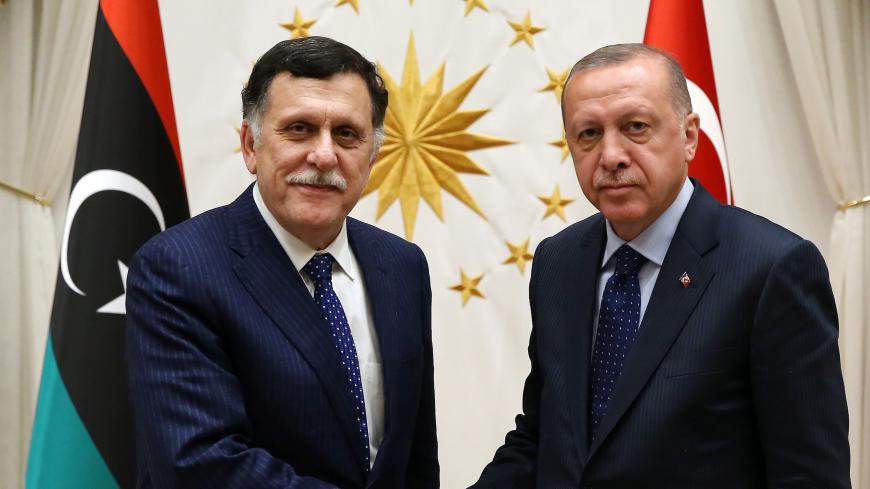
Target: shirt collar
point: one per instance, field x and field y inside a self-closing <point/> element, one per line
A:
<point x="299" y="251"/>
<point x="654" y="241"/>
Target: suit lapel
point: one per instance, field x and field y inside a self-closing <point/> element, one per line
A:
<point x="379" y="283"/>
<point x="577" y="278"/>
<point x="267" y="273"/>
<point x="670" y="305"/>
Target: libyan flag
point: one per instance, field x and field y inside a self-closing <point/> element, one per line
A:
<point x="126" y="187"/>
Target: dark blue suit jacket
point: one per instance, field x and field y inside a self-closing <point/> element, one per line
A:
<point x="733" y="381"/>
<point x="233" y="375"/>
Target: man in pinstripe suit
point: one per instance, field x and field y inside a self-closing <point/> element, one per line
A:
<point x="275" y="342"/>
<point x="676" y="342"/>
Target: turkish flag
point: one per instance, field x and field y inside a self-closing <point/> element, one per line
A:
<point x="679" y="28"/>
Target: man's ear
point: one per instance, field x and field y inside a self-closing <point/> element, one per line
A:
<point x="692" y="127"/>
<point x="249" y="153"/>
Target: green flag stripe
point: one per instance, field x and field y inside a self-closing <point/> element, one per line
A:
<point x="62" y="454"/>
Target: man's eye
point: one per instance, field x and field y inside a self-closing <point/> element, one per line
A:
<point x="587" y="134"/>
<point x="636" y="126"/>
<point x="346" y="134"/>
<point x="297" y="128"/>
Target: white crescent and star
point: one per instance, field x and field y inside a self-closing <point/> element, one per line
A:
<point x="93" y="183"/>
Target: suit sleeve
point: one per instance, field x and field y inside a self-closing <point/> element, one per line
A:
<point x="797" y="383"/>
<point x="190" y="416"/>
<point x="515" y="463"/>
<point x="423" y="467"/>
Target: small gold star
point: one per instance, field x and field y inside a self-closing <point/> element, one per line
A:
<point x="470" y="4"/>
<point x="238" y="149"/>
<point x="525" y="30"/>
<point x="555" y="204"/>
<point x="468" y="286"/>
<point x="556" y="83"/>
<point x="352" y="3"/>
<point x="299" y="26"/>
<point x="561" y="144"/>
<point x="519" y="255"/>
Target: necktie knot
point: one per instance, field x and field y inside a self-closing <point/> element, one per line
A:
<point x="628" y="261"/>
<point x="319" y="267"/>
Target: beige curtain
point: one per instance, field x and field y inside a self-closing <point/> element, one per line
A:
<point x="829" y="46"/>
<point x="44" y="53"/>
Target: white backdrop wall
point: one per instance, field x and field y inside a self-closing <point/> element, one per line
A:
<point x="480" y="348"/>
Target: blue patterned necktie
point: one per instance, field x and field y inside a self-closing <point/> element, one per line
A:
<point x="618" y="320"/>
<point x="319" y="268"/>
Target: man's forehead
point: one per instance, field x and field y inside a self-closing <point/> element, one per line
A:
<point x="348" y="81"/>
<point x="624" y="84"/>
<point x="615" y="109"/>
<point x="340" y="91"/>
<point x="642" y="71"/>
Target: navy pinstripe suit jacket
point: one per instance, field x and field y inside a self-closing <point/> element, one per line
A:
<point x="733" y="382"/>
<point x="233" y="375"/>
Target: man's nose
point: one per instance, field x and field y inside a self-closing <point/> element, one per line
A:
<point x="613" y="153"/>
<point x="322" y="154"/>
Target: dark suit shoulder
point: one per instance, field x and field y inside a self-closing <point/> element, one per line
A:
<point x="742" y="230"/>
<point x="577" y="234"/>
<point x="194" y="237"/>
<point x="738" y="217"/>
<point x="364" y="234"/>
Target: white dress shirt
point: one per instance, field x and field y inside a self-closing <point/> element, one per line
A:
<point x="653" y="243"/>
<point x="348" y="283"/>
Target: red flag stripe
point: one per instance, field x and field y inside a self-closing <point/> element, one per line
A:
<point x="679" y="27"/>
<point x="136" y="26"/>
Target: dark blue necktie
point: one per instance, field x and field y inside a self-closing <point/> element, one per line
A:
<point x="319" y="268"/>
<point x="618" y="320"/>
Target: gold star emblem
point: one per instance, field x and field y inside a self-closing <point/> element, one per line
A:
<point x="519" y="254"/>
<point x="561" y="144"/>
<point x="467" y="286"/>
<point x="470" y="4"/>
<point x="352" y="3"/>
<point x="556" y="83"/>
<point x="426" y="143"/>
<point x="299" y="26"/>
<point x="238" y="149"/>
<point x="525" y="30"/>
<point x="555" y="204"/>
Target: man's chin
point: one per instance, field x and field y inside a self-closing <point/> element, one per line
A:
<point x="317" y="230"/>
<point x="622" y="214"/>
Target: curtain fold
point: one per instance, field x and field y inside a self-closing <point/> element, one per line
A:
<point x="829" y="48"/>
<point x="43" y="70"/>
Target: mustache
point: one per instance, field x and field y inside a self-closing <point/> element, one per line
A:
<point x="615" y="179"/>
<point x="312" y="176"/>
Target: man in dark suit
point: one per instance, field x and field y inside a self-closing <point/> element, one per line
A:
<point x="275" y="342"/>
<point x="676" y="342"/>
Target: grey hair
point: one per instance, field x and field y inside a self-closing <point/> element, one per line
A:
<point x="617" y="54"/>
